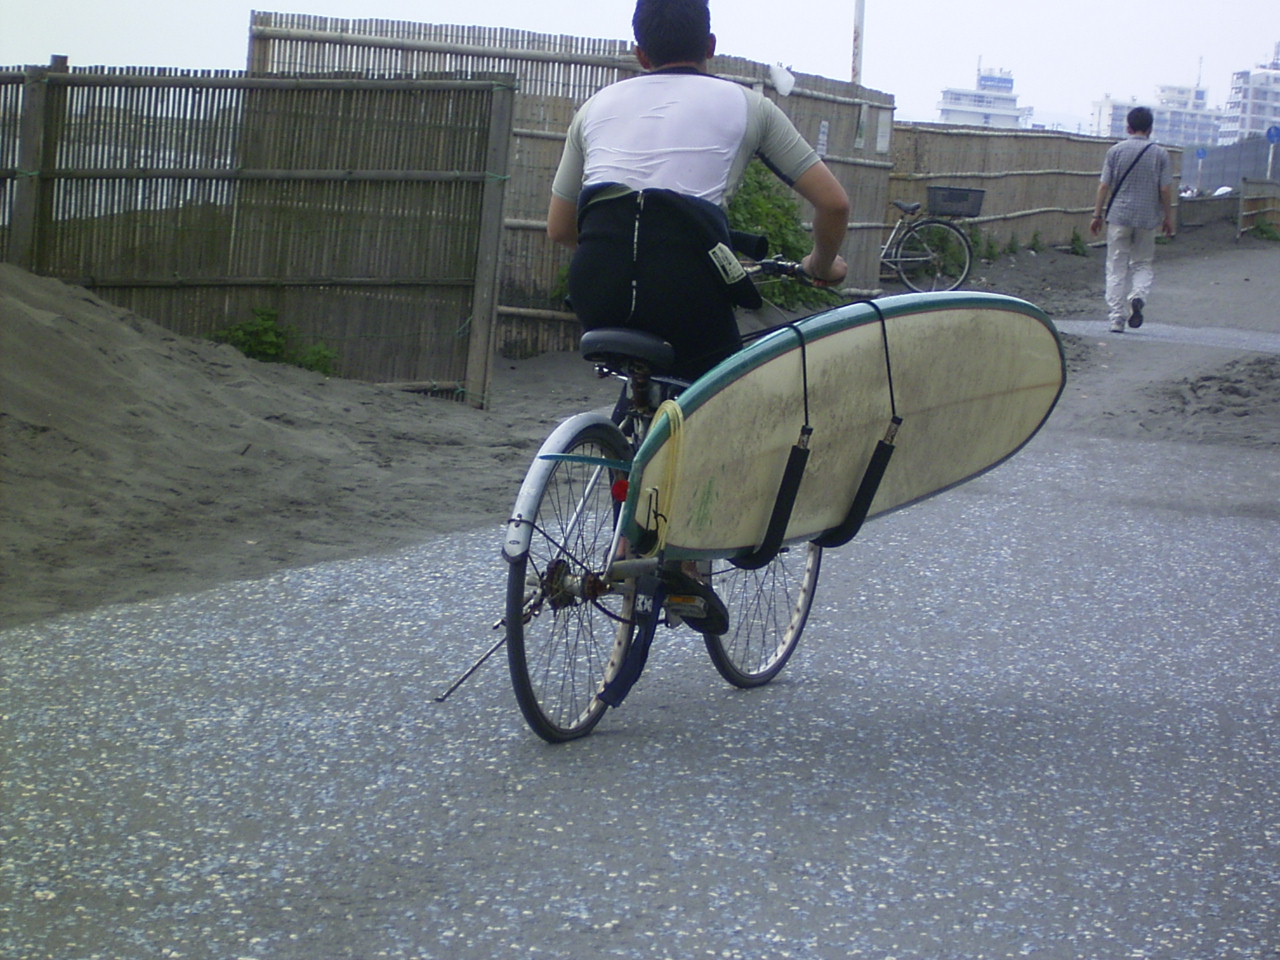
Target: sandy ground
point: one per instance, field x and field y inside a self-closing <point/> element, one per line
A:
<point x="136" y="463"/>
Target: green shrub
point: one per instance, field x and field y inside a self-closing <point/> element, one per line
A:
<point x="1011" y="248"/>
<point x="989" y="250"/>
<point x="265" y="338"/>
<point x="764" y="206"/>
<point x="1266" y="230"/>
<point x="1078" y="247"/>
<point x="316" y="357"/>
<point x="1036" y="244"/>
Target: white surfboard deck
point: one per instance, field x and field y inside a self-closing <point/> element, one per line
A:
<point x="974" y="377"/>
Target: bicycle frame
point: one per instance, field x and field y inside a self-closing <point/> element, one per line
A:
<point x="893" y="236"/>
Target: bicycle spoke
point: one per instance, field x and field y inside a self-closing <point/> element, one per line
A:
<point x="768" y="609"/>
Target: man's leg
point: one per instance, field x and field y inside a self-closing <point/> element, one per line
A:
<point x="1142" y="255"/>
<point x="1119" y="245"/>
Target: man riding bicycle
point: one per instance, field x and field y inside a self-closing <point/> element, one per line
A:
<point x="649" y="166"/>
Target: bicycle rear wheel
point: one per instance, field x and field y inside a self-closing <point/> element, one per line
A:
<point x="567" y="628"/>
<point x="933" y="255"/>
<point x="768" y="609"/>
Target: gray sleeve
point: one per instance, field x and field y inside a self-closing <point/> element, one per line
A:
<point x="781" y="145"/>
<point x="1165" y="169"/>
<point x="1108" y="166"/>
<point x="567" y="183"/>
<point x="771" y="135"/>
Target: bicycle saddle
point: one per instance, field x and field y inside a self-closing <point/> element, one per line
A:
<point x="906" y="207"/>
<point x="605" y="344"/>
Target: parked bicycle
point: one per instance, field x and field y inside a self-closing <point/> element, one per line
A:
<point x="927" y="253"/>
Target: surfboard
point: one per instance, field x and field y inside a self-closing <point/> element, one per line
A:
<point x="971" y="376"/>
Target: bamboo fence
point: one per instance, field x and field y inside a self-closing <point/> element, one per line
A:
<point x="1036" y="183"/>
<point x="1259" y="204"/>
<point x="364" y="213"/>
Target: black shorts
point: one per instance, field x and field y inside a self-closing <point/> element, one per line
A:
<point x="643" y="264"/>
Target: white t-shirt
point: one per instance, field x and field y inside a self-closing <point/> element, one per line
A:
<point x="687" y="132"/>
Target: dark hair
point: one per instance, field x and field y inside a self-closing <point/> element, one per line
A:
<point x="672" y="31"/>
<point x="1140" y="120"/>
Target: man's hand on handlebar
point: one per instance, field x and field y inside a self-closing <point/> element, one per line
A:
<point x="833" y="275"/>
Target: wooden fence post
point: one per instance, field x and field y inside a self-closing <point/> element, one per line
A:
<point x="37" y="145"/>
<point x="484" y="301"/>
<point x="27" y="188"/>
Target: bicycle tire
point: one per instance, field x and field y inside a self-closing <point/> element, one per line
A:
<point x="567" y="634"/>
<point x="933" y="256"/>
<point x="768" y="609"/>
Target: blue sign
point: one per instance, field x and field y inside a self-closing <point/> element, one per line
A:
<point x="1201" y="153"/>
<point x="1273" y="134"/>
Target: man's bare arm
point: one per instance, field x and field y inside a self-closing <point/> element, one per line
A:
<point x="562" y="222"/>
<point x="819" y="186"/>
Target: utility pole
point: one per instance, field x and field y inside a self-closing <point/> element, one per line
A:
<point x="859" y="11"/>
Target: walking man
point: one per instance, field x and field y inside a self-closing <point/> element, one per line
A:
<point x="1135" y="197"/>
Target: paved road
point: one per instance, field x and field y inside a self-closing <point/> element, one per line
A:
<point x="1225" y="298"/>
<point x="1226" y="338"/>
<point x="1036" y="717"/>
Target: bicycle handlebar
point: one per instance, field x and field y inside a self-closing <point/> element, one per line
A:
<point x="776" y="267"/>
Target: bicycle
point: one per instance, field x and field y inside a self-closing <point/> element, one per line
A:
<point x="928" y="254"/>
<point x="582" y="608"/>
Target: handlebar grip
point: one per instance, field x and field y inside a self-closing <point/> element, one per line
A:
<point x="781" y="268"/>
<point x="751" y="245"/>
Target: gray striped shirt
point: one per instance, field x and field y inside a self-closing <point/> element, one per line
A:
<point x="1137" y="202"/>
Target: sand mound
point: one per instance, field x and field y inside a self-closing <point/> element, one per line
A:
<point x="136" y="461"/>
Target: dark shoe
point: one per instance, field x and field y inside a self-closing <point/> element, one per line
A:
<point x="1135" y="318"/>
<point x="695" y="603"/>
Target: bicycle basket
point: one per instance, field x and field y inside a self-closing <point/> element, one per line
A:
<point x="955" y="201"/>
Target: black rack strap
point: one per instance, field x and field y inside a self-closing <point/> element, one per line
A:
<point x="838" y="536"/>
<point x="785" y="501"/>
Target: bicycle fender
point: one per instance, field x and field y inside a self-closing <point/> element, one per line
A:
<point x="519" y="530"/>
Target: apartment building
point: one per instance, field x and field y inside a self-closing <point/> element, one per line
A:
<point x="1255" y="101"/>
<point x="1183" y="117"/>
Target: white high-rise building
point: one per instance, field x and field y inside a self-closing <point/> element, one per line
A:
<point x="1255" y="101"/>
<point x="1182" y="116"/>
<point x="992" y="104"/>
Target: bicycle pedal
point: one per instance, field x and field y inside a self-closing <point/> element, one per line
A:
<point x="685" y="605"/>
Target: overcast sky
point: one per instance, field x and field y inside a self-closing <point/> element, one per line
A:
<point x="1063" y="55"/>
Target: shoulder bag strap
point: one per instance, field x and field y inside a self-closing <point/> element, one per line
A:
<point x="1129" y="170"/>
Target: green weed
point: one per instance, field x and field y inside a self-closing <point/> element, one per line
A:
<point x="265" y="338"/>
<point x="763" y="206"/>
<point x="1266" y="230"/>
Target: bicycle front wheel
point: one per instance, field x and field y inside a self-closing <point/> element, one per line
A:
<point x="768" y="609"/>
<point x="568" y="628"/>
<point x="933" y="255"/>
